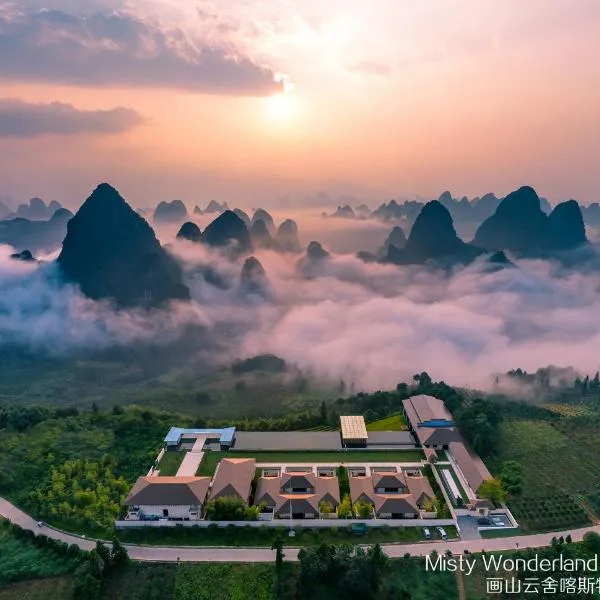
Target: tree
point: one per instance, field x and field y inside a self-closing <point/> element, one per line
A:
<point x="363" y="510"/>
<point x="103" y="552"/>
<point x="591" y="542"/>
<point x="493" y="490"/>
<point x="511" y="475"/>
<point x="325" y="507"/>
<point x="119" y="557"/>
<point x="344" y="509"/>
<point x="279" y="555"/>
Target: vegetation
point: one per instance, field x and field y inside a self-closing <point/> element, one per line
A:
<point x="83" y="492"/>
<point x="493" y="490"/>
<point x="214" y="581"/>
<point x="231" y="509"/>
<point x="211" y="458"/>
<point x="214" y="535"/>
<point x="392" y="423"/>
<point x="344" y="509"/>
<point x="25" y="556"/>
<point x="171" y="461"/>
<point x="342" y="570"/>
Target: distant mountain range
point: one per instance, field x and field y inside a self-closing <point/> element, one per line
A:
<point x="36" y="236"/>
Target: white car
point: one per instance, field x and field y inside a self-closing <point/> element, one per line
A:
<point x="497" y="521"/>
<point x="442" y="533"/>
<point x="426" y="533"/>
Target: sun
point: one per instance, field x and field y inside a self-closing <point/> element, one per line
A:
<point x="282" y="105"/>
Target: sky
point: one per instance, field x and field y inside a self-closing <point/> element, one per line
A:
<point x="250" y="102"/>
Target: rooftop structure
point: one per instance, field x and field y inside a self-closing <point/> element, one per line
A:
<point x="354" y="431"/>
<point x="168" y="490"/>
<point x="430" y="421"/>
<point x="472" y="467"/>
<point x="233" y="479"/>
<point x="176" y="435"/>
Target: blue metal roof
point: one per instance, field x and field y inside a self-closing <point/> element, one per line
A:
<point x="175" y="434"/>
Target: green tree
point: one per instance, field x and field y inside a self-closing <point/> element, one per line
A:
<point x="492" y="489"/>
<point x="279" y="555"/>
<point x="119" y="557"/>
<point x="363" y="510"/>
<point x="344" y="509"/>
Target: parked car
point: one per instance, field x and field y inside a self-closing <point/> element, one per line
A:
<point x="497" y="521"/>
<point x="40" y="523"/>
<point x="426" y="533"/>
<point x="483" y="521"/>
<point x="442" y="533"/>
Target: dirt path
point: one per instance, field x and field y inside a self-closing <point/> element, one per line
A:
<point x="460" y="584"/>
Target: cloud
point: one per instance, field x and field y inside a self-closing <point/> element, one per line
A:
<point x="369" y="324"/>
<point x="371" y="68"/>
<point x="24" y="120"/>
<point x="122" y="50"/>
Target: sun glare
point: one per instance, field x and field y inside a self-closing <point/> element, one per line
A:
<point x="282" y="105"/>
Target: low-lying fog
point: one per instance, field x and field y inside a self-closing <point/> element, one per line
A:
<point x="370" y="324"/>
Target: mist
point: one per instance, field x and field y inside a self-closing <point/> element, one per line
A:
<point x="371" y="325"/>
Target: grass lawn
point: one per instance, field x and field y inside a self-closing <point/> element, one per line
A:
<point x="393" y="423"/>
<point x="265" y="536"/>
<point x="171" y="462"/>
<point x="211" y="459"/>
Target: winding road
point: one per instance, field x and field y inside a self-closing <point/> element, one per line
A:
<point x="228" y="554"/>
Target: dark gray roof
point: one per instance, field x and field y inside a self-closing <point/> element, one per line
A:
<point x="168" y="491"/>
<point x="389" y="480"/>
<point x="400" y="503"/>
<point x="390" y="438"/>
<point x="437" y="436"/>
<point x="470" y="464"/>
<point x="233" y="478"/>
<point x="426" y="408"/>
<point x="288" y="440"/>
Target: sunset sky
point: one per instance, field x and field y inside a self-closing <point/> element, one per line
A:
<point x="253" y="100"/>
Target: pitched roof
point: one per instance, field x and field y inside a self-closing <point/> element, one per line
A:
<point x="426" y="408"/>
<point x="437" y="436"/>
<point x="470" y="464"/>
<point x="267" y="490"/>
<point x="328" y="488"/>
<point x="297" y="480"/>
<point x="395" y="503"/>
<point x="233" y="478"/>
<point x="362" y="488"/>
<point x="168" y="491"/>
<point x="389" y="480"/>
<point x="420" y="488"/>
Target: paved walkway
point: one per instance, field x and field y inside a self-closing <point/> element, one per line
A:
<point x="195" y="554"/>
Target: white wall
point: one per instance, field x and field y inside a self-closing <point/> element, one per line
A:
<point x="177" y="512"/>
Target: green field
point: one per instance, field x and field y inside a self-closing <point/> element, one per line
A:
<point x="393" y="423"/>
<point x="212" y="458"/>
<point x="55" y="588"/>
<point x="21" y="559"/>
<point x="561" y="472"/>
<point x="171" y="461"/>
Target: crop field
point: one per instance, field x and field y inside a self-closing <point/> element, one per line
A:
<point x="38" y="589"/>
<point x="561" y="473"/>
<point x="212" y="458"/>
<point x="393" y="423"/>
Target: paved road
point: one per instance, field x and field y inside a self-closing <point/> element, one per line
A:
<point x="193" y="554"/>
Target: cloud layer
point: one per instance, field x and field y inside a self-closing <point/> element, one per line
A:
<point x="25" y="120"/>
<point x="116" y="49"/>
<point x="372" y="325"/>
